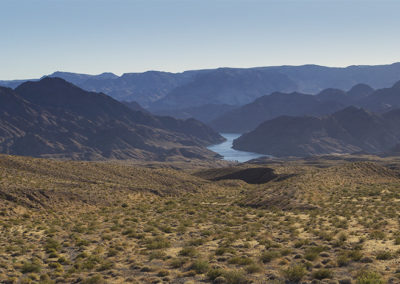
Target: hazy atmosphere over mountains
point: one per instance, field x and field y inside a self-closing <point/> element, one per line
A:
<point x="230" y="86"/>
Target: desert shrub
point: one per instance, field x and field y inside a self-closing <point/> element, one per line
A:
<point x="177" y="262"/>
<point x="231" y="276"/>
<point x="223" y="249"/>
<point x="312" y="253"/>
<point x="91" y="262"/>
<point x="105" y="265"/>
<point x="96" y="279"/>
<point x="200" y="266"/>
<point x="369" y="277"/>
<point x="196" y="242"/>
<point x="342" y="237"/>
<point x="158" y="243"/>
<point x="294" y="273"/>
<point x="300" y="243"/>
<point x="322" y="274"/>
<point x="166" y="229"/>
<point x="163" y="273"/>
<point x="62" y="260"/>
<point x="268" y="256"/>
<point x="285" y="251"/>
<point x="377" y="235"/>
<point x="383" y="255"/>
<point x="188" y="251"/>
<point x="241" y="260"/>
<point x="45" y="279"/>
<point x="214" y="273"/>
<point x="355" y="255"/>
<point x="157" y="254"/>
<point x="112" y="252"/>
<point x="51" y="245"/>
<point x="253" y="268"/>
<point x="31" y="266"/>
<point x="342" y="260"/>
<point x="235" y="277"/>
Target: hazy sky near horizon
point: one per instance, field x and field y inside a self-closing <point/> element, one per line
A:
<point x="95" y="36"/>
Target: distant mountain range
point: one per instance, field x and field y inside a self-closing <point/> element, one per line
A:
<point x="205" y="113"/>
<point x="346" y="131"/>
<point x="163" y="91"/>
<point x="54" y="118"/>
<point x="248" y="117"/>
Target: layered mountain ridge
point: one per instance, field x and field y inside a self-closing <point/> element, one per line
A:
<point x="328" y="101"/>
<point x="54" y="118"/>
<point x="231" y="86"/>
<point x="346" y="131"/>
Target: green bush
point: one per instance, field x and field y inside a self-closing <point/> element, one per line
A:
<point x="322" y="274"/>
<point x="268" y="256"/>
<point x="342" y="260"/>
<point x="355" y="255"/>
<point x="52" y="245"/>
<point x="253" y="268"/>
<point x="241" y="260"/>
<point x="377" y="235"/>
<point x="294" y="273"/>
<point x="214" y="273"/>
<point x="383" y="255"/>
<point x="231" y="276"/>
<point x="235" y="277"/>
<point x="177" y="262"/>
<point x="31" y="266"/>
<point x="200" y="266"/>
<point x="158" y="243"/>
<point x="188" y="251"/>
<point x="312" y="253"/>
<point x="97" y="279"/>
<point x="369" y="277"/>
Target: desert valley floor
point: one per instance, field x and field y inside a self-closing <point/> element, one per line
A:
<point x="327" y="219"/>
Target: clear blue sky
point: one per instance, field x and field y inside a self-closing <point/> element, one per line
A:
<point x="93" y="36"/>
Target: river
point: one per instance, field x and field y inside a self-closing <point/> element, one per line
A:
<point x="229" y="154"/>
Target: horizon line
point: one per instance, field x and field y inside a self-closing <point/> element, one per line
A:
<point x="200" y="69"/>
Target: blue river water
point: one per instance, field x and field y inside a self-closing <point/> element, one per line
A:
<point x="229" y="154"/>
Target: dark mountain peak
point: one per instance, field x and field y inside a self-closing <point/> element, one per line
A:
<point x="280" y="94"/>
<point x="52" y="117"/>
<point x="83" y="79"/>
<point x="352" y="111"/>
<point x="360" y="90"/>
<point x="6" y="95"/>
<point x="51" y="91"/>
<point x="107" y="75"/>
<point x="60" y="94"/>
<point x="332" y="94"/>
<point x="151" y="73"/>
<point x="331" y="91"/>
<point x="59" y="74"/>
<point x="47" y="82"/>
<point x="5" y="90"/>
<point x="396" y="86"/>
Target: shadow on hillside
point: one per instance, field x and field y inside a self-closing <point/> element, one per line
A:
<point x="257" y="175"/>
